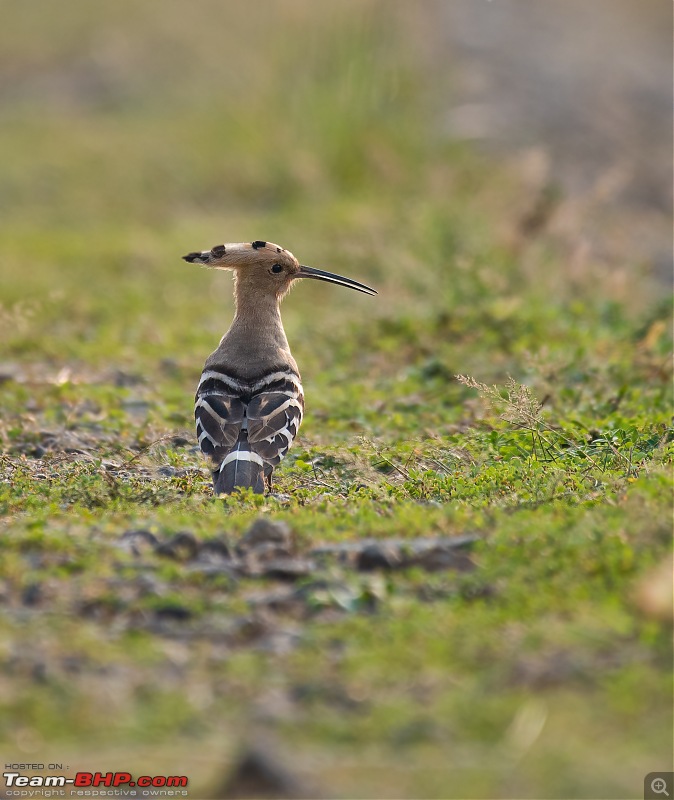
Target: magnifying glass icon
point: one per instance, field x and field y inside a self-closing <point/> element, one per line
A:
<point x="659" y="786"/>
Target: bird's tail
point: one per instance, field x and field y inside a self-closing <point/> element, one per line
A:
<point x="240" y="468"/>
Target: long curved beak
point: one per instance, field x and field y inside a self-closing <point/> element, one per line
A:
<point x="330" y="277"/>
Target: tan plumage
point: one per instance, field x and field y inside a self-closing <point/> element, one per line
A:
<point x="249" y="402"/>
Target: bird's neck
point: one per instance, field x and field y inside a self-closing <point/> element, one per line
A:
<point x="257" y="326"/>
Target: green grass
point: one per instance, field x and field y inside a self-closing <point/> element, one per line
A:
<point x="139" y="132"/>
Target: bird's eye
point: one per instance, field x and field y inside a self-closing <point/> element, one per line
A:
<point x="277" y="268"/>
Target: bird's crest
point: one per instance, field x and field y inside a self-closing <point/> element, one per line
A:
<point x="233" y="255"/>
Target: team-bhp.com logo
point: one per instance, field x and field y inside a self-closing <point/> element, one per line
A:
<point x="95" y="784"/>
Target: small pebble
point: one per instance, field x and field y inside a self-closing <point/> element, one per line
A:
<point x="264" y="530"/>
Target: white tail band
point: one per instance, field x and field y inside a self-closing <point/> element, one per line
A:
<point x="241" y="455"/>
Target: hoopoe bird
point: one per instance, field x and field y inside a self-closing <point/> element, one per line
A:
<point x="249" y="401"/>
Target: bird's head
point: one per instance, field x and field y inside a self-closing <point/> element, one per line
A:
<point x="266" y="267"/>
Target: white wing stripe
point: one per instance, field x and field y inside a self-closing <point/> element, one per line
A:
<point x="207" y="408"/>
<point x="238" y="385"/>
<point x="282" y="432"/>
<point x="289" y="402"/>
<point x="209" y="374"/>
<point x="278" y="376"/>
<point x="206" y="435"/>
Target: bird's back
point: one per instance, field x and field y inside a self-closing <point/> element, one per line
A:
<point x="247" y="422"/>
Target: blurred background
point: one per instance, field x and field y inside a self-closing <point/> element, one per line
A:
<point x="139" y="131"/>
<point x="477" y="158"/>
<point x="580" y="91"/>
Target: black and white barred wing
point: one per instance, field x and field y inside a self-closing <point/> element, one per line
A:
<point x="274" y="417"/>
<point x="246" y="429"/>
<point x="219" y="418"/>
<point x="223" y="436"/>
